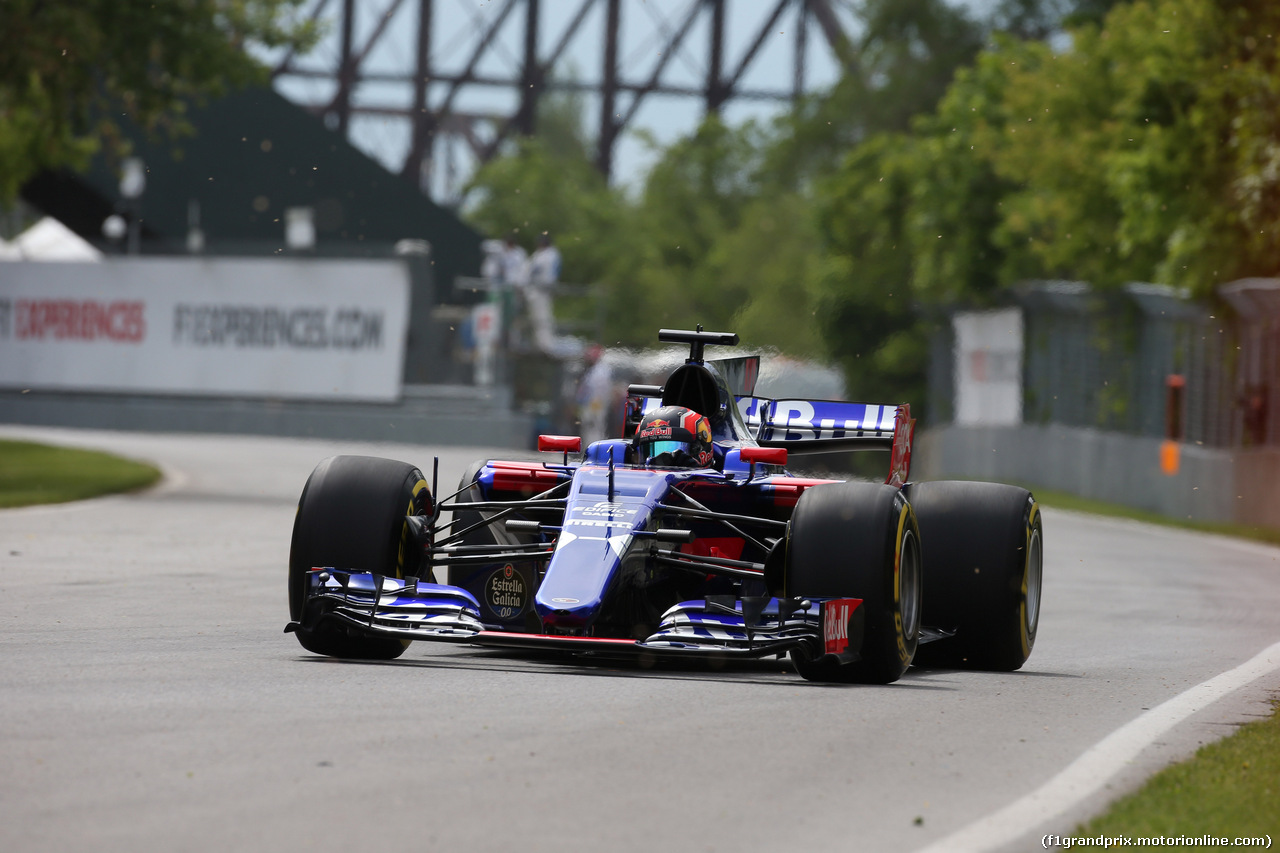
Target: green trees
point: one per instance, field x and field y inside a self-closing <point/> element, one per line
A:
<point x="1145" y="151"/>
<point x="69" y="68"/>
<point x="1144" y="148"/>
<point x="1091" y="140"/>
<point x="700" y="242"/>
<point x="727" y="228"/>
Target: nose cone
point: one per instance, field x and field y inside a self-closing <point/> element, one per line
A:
<point x="581" y="572"/>
<point x="605" y="511"/>
<point x="567" y="615"/>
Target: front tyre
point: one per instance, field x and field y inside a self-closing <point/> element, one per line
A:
<point x="859" y="540"/>
<point x="984" y="567"/>
<point x="351" y="516"/>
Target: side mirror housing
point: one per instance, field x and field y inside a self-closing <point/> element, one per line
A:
<point x="764" y="455"/>
<point x="566" y="443"/>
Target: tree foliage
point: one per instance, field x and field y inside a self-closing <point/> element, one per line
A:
<point x="71" y="67"/>
<point x="699" y="243"/>
<point x="725" y="230"/>
<point x="1092" y="140"/>
<point x="1144" y="152"/>
<point x="898" y="68"/>
<point x="1145" y="148"/>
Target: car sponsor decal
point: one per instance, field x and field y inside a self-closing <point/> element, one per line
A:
<point x="591" y="522"/>
<point x="807" y="420"/>
<point x="835" y="624"/>
<point x="606" y="509"/>
<point x="505" y="592"/>
<point x="656" y="429"/>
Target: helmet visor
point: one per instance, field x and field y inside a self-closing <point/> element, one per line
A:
<point x="657" y="448"/>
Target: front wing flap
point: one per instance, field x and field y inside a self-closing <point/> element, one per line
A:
<point x="379" y="606"/>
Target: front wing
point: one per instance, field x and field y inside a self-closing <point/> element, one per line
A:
<point x="378" y="606"/>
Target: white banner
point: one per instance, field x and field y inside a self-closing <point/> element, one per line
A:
<point x="988" y="367"/>
<point x="271" y="327"/>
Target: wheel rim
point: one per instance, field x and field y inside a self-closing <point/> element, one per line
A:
<point x="909" y="585"/>
<point x="1034" y="571"/>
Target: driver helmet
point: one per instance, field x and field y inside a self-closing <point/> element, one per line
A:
<point x="673" y="437"/>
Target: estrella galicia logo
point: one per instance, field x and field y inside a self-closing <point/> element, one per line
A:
<point x="504" y="592"/>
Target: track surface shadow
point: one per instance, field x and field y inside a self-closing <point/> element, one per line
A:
<point x="770" y="673"/>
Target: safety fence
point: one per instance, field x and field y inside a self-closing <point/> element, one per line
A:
<point x="1142" y="360"/>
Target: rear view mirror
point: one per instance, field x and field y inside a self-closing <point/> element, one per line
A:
<point x="765" y="455"/>
<point x="567" y="443"/>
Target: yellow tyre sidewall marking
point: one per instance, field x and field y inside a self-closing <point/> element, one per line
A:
<point x="404" y="534"/>
<point x="404" y="529"/>
<point x="1024" y="628"/>
<point x="899" y="634"/>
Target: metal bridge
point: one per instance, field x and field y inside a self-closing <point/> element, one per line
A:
<point x="451" y="73"/>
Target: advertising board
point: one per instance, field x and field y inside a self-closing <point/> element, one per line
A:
<point x="289" y="328"/>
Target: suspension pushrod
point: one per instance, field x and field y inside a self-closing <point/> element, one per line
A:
<point x="532" y="548"/>
<point x="703" y="568"/>
<point x="712" y="515"/>
<point x="554" y="503"/>
<point x="498" y="557"/>
<point x="698" y="506"/>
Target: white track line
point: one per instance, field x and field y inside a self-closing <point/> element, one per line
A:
<point x="1091" y="771"/>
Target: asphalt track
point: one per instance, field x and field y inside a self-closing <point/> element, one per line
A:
<point x="148" y="699"/>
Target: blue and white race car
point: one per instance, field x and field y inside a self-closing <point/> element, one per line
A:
<point x="685" y="538"/>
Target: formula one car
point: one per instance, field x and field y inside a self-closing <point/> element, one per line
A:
<point x="685" y="538"/>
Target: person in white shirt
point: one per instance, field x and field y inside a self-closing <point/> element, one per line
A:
<point x="514" y="264"/>
<point x="595" y="397"/>
<point x="543" y="273"/>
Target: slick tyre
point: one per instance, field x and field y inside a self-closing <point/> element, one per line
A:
<point x="983" y="547"/>
<point x="352" y="516"/>
<point x="859" y="540"/>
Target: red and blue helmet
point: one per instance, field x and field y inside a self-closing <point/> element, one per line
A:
<point x="673" y="437"/>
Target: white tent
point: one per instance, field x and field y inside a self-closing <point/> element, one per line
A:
<point x="48" y="240"/>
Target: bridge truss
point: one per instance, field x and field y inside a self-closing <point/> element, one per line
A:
<point x="446" y="74"/>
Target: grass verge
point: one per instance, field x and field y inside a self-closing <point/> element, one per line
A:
<point x="1229" y="789"/>
<point x="33" y="473"/>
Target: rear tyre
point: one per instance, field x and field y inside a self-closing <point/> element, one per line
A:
<point x="351" y="516"/>
<point x="859" y="540"/>
<point x="983" y="569"/>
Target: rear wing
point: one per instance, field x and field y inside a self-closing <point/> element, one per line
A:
<point x="828" y="426"/>
<point x="811" y="426"/>
<point x="818" y="425"/>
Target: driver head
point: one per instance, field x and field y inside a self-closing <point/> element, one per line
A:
<point x="673" y="437"/>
